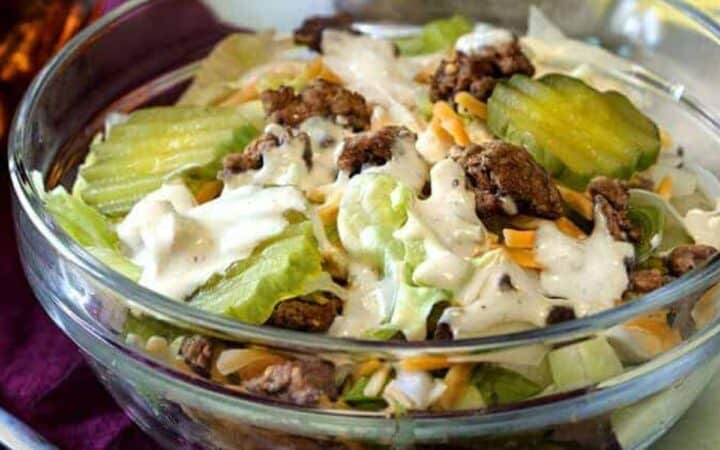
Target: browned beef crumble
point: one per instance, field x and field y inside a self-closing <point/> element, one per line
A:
<point x="478" y="73"/>
<point x="647" y="280"/>
<point x="304" y="314"/>
<point x="301" y="382"/>
<point x="507" y="181"/>
<point x="251" y="158"/>
<point x="197" y="352"/>
<point x="370" y="148"/>
<point x="560" y="314"/>
<point x="311" y="31"/>
<point x="685" y="258"/>
<point x="321" y="98"/>
<point x="612" y="197"/>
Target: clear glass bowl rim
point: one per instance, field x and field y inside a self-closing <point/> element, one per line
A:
<point x="29" y="200"/>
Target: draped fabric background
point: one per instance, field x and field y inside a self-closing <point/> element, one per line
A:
<point x="43" y="378"/>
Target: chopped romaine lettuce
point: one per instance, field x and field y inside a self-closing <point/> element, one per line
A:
<point x="90" y="229"/>
<point x="250" y="289"/>
<point x="227" y="62"/>
<point x="374" y="207"/>
<point x="584" y="363"/>
<point x="435" y="36"/>
<point x="82" y="222"/>
<point x="356" y="397"/>
<point x="145" y="327"/>
<point x="499" y="386"/>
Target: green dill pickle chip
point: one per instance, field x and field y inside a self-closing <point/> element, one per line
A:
<point x="573" y="130"/>
<point x="154" y="144"/>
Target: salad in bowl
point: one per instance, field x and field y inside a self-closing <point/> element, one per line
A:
<point x="455" y="182"/>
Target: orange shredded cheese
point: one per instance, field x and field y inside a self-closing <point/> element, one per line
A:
<point x="367" y="368"/>
<point x="246" y="93"/>
<point x="208" y="191"/>
<point x="578" y="201"/>
<point x="317" y="69"/>
<point x="656" y="324"/>
<point x="451" y="122"/>
<point x="471" y="104"/>
<point x="665" y="187"/>
<point x="457" y="379"/>
<point x="524" y="257"/>
<point x="424" y="363"/>
<point x="519" y="238"/>
<point x="666" y="140"/>
<point x="568" y="227"/>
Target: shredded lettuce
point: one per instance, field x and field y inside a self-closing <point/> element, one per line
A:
<point x="374" y="207"/>
<point x="227" y="62"/>
<point x="435" y="36"/>
<point x="89" y="228"/>
<point x="355" y="396"/>
<point x="584" y="363"/>
<point x="499" y="386"/>
<point x="284" y="268"/>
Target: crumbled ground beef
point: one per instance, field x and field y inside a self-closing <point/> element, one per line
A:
<point x="560" y="314"/>
<point x="321" y="98"/>
<point x="647" y="280"/>
<point x="371" y="148"/>
<point x="251" y="158"/>
<point x="685" y="258"/>
<point x="612" y="197"/>
<point x="197" y="352"/>
<point x="311" y="31"/>
<point x="301" y="382"/>
<point x="508" y="181"/>
<point x="306" y="314"/>
<point x="478" y="73"/>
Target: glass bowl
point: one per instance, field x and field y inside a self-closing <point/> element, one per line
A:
<point x="143" y="54"/>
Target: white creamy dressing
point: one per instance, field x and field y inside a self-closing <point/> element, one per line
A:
<point x="405" y="165"/>
<point x="286" y="164"/>
<point x="499" y="292"/>
<point x="367" y="305"/>
<point x="704" y="226"/>
<point x="432" y="147"/>
<point x="483" y="35"/>
<point x="413" y="390"/>
<point x="180" y="244"/>
<point x="448" y="226"/>
<point x="369" y="66"/>
<point x="590" y="271"/>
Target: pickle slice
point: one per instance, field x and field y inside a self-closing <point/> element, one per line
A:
<point x="573" y="130"/>
<point x="155" y="144"/>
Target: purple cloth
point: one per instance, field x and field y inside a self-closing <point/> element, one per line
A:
<point x="44" y="380"/>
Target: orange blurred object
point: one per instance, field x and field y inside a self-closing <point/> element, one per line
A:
<point x="30" y="33"/>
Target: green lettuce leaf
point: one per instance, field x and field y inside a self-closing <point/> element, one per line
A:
<point x="584" y="363"/>
<point x="227" y="62"/>
<point x="90" y="229"/>
<point x="373" y="208"/>
<point x="80" y="221"/>
<point x="355" y="396"/>
<point x="499" y="386"/>
<point x="287" y="267"/>
<point x="435" y="36"/>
